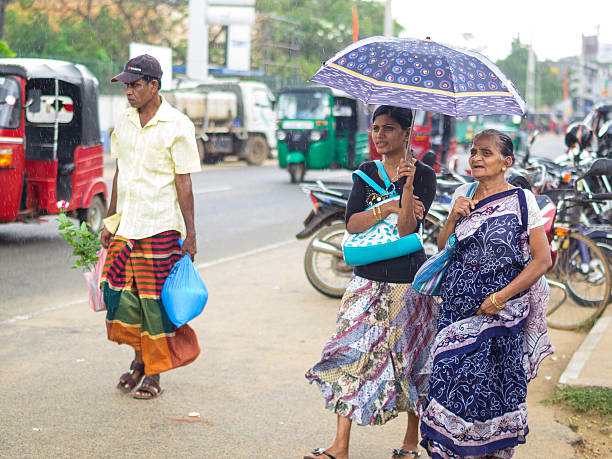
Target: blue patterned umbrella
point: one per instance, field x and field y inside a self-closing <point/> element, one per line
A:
<point x="421" y="74"/>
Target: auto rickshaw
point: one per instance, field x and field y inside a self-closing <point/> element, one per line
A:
<point x="320" y="128"/>
<point x="51" y="156"/>
<point x="470" y="126"/>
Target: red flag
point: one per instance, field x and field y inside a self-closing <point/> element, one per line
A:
<point x="566" y="92"/>
<point x="355" y="24"/>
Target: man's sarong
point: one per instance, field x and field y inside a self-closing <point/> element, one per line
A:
<point x="134" y="274"/>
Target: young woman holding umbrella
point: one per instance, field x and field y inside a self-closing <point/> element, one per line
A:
<point x="370" y="368"/>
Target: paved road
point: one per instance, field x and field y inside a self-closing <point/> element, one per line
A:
<point x="264" y="325"/>
<point x="262" y="328"/>
<point x="238" y="208"/>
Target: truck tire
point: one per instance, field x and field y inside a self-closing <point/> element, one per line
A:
<point x="93" y="216"/>
<point x="256" y="150"/>
<point x="207" y="158"/>
<point x="201" y="149"/>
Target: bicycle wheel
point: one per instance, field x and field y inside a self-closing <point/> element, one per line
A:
<point x="583" y="268"/>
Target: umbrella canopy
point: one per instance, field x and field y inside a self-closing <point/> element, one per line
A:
<point x="421" y="74"/>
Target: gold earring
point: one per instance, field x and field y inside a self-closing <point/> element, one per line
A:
<point x="504" y="169"/>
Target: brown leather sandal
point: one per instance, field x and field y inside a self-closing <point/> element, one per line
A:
<point x="127" y="381"/>
<point x="149" y="388"/>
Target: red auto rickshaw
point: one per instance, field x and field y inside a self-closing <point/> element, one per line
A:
<point x="50" y="150"/>
<point x="432" y="132"/>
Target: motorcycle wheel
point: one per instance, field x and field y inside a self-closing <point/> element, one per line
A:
<point x="93" y="216"/>
<point x="327" y="272"/>
<point x="431" y="229"/>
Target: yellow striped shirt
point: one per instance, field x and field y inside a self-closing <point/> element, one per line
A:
<point x="148" y="158"/>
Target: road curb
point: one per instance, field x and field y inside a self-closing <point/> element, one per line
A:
<point x="589" y="354"/>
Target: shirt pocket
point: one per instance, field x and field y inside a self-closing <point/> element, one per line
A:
<point x="157" y="157"/>
<point x="125" y="142"/>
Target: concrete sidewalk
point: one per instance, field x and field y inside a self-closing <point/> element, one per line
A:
<point x="263" y="327"/>
<point x="591" y="365"/>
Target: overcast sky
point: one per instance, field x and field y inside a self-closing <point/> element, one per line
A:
<point x="553" y="27"/>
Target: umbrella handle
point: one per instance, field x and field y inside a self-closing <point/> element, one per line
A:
<point x="408" y="153"/>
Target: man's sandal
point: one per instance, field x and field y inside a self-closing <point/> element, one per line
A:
<point x="149" y="388"/>
<point x="400" y="452"/>
<point x="127" y="381"/>
<point x="319" y="452"/>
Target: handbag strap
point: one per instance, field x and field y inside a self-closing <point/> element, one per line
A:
<point x="389" y="189"/>
<point x="383" y="174"/>
<point x="471" y="190"/>
<point x="375" y="186"/>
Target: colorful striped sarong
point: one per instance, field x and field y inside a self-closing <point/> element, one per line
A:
<point x="133" y="277"/>
<point x="371" y="368"/>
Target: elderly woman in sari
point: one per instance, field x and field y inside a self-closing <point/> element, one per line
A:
<point x="491" y="325"/>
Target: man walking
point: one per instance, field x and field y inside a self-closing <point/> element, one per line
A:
<point x="151" y="208"/>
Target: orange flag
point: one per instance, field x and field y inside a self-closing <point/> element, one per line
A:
<point x="355" y="24"/>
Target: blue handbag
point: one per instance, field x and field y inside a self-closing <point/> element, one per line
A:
<point x="184" y="294"/>
<point x="428" y="278"/>
<point x="382" y="241"/>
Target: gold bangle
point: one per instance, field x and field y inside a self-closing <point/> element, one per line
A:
<point x="497" y="305"/>
<point x="375" y="213"/>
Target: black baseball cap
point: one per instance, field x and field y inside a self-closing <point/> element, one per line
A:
<point x="138" y="67"/>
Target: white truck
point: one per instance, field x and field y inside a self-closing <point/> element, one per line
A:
<point x="230" y="117"/>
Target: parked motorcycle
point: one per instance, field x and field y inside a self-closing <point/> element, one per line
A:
<point x="323" y="262"/>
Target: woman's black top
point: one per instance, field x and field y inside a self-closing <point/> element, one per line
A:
<point x="400" y="270"/>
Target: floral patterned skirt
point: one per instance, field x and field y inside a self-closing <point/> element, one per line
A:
<point x="370" y="369"/>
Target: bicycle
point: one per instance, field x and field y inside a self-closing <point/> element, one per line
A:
<point x="582" y="268"/>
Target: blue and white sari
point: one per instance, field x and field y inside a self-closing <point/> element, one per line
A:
<point x="480" y="364"/>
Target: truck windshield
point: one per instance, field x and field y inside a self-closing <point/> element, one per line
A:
<point x="10" y="104"/>
<point x="303" y="105"/>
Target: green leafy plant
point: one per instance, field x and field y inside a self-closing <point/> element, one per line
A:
<point x="84" y="243"/>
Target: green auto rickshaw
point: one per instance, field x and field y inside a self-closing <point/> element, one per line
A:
<point x="510" y="124"/>
<point x="320" y="128"/>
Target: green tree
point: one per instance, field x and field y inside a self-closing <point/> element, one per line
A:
<point x="31" y="35"/>
<point x="3" y="5"/>
<point x="5" y="50"/>
<point x="293" y="37"/>
<point x="94" y="32"/>
<point x="548" y="80"/>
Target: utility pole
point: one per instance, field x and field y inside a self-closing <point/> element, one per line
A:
<point x="388" y="19"/>
<point x="531" y="83"/>
<point x="197" y="45"/>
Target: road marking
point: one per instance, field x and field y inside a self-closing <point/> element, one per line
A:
<point x="265" y="248"/>
<point x="213" y="190"/>
<point x="33" y="314"/>
<point x="208" y="264"/>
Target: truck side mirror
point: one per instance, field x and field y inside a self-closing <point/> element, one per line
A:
<point x="33" y="103"/>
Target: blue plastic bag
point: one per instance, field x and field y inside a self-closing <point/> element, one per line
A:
<point x="184" y="294"/>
